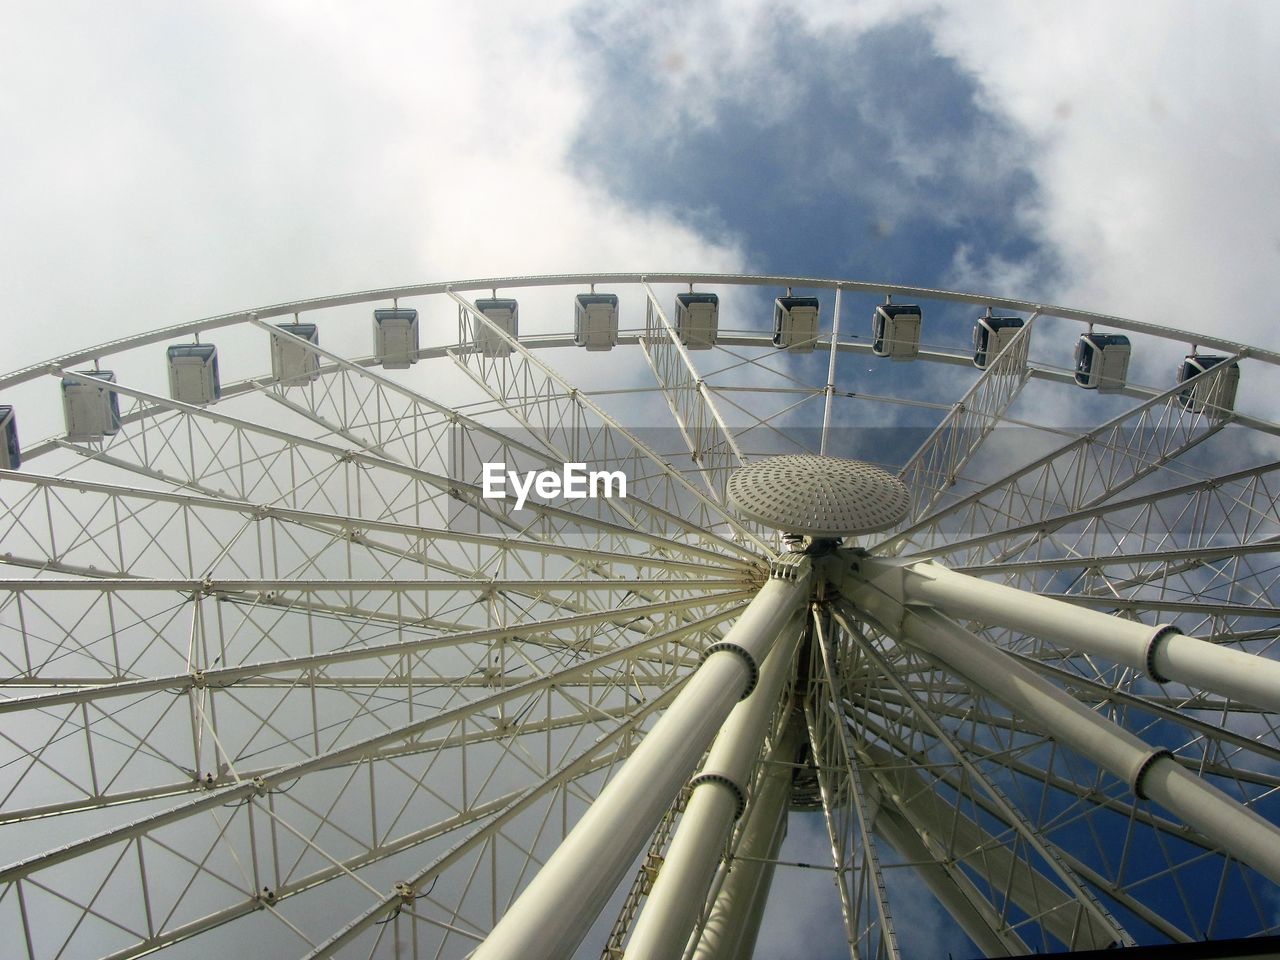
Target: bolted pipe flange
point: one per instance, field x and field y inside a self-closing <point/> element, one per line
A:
<point x="747" y="658"/>
<point x="1144" y="768"/>
<point x="1161" y="633"/>
<point x="715" y="776"/>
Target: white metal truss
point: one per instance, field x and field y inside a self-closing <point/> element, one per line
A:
<point x="275" y="670"/>
<point x="933" y="469"/>
<point x="711" y="443"/>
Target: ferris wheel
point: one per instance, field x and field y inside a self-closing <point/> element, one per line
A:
<point x="567" y="616"/>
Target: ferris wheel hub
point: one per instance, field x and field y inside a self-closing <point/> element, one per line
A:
<point x="820" y="497"/>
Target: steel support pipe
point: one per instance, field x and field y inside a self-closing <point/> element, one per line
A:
<point x="1162" y="653"/>
<point x="554" y="913"/>
<point x="733" y="921"/>
<point x="1151" y="773"/>
<point x="719" y="797"/>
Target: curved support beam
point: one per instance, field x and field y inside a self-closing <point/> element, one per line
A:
<point x="557" y="909"/>
<point x="1162" y="653"/>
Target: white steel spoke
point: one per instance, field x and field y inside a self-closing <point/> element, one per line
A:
<point x="1074" y="917"/>
<point x="859" y="879"/>
<point x="710" y="441"/>
<point x="933" y="469"/>
<point x="580" y="431"/>
<point x="1088" y="470"/>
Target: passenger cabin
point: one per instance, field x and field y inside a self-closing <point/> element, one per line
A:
<point x="395" y="337"/>
<point x="1102" y="361"/>
<point x="292" y="363"/>
<point x="91" y="410"/>
<point x="795" y="323"/>
<point x="1217" y="393"/>
<point x="193" y="373"/>
<point x="504" y="314"/>
<point x="10" y="454"/>
<point x="895" y="331"/>
<point x="595" y="321"/>
<point x="697" y="319"/>
<point x="991" y="335"/>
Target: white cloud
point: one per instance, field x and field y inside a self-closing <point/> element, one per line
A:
<point x="184" y="162"/>
<point x="1156" y="150"/>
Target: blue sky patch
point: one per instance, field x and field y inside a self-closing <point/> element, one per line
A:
<point x="881" y="166"/>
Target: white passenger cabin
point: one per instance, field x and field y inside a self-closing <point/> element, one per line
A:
<point x="697" y="319"/>
<point x="395" y="337"/>
<point x="1102" y="361"/>
<point x="1216" y="394"/>
<point x="795" y="323"/>
<point x="10" y="454"/>
<point x="595" y="321"/>
<point x="991" y="335"/>
<point x="90" y="409"/>
<point x="895" y="331"/>
<point x="503" y="313"/>
<point x="193" y="373"/>
<point x="292" y="363"/>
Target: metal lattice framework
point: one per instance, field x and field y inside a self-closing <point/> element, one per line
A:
<point x="275" y="671"/>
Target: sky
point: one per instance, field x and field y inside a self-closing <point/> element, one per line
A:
<point x="164" y="162"/>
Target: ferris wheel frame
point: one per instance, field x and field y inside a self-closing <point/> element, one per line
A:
<point x="737" y="554"/>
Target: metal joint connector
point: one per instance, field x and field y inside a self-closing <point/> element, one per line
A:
<point x="747" y="658"/>
<point x="1160" y="633"/>
<point x="786" y="567"/>
<point x="1143" y="769"/>
<point x="711" y="776"/>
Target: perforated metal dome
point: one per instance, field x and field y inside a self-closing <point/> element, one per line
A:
<point x="819" y="496"/>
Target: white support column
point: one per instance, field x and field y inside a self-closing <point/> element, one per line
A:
<point x="1150" y="772"/>
<point x="719" y="797"/>
<point x="554" y="913"/>
<point x="1162" y="653"/>
<point x="734" y="920"/>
